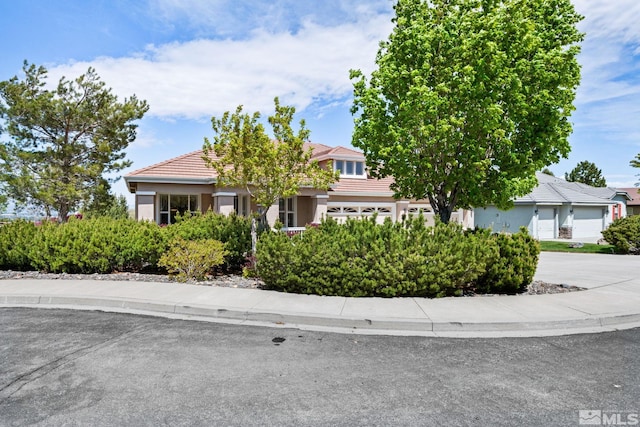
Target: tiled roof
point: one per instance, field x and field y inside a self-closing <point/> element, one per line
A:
<point x="338" y="153"/>
<point x="634" y="193"/>
<point x="188" y="165"/>
<point x="555" y="190"/>
<point x="361" y="186"/>
<point x="191" y="166"/>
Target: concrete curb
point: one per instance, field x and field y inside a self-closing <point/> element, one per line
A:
<point x="342" y="324"/>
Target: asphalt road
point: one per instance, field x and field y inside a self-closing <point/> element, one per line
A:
<point x="63" y="367"/>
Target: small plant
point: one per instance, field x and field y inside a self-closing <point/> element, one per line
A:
<point x="233" y="230"/>
<point x="192" y="259"/>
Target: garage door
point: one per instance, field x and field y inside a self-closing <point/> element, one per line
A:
<point x="587" y="221"/>
<point x="546" y="223"/>
<point x="341" y="212"/>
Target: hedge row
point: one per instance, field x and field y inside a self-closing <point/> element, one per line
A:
<point x="104" y="245"/>
<point x="362" y="258"/>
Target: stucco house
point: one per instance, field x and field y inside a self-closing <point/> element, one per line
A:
<point x="184" y="183"/>
<point x="558" y="209"/>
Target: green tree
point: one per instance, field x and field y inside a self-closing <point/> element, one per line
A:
<point x="268" y="168"/>
<point x="106" y="204"/>
<point x="587" y="173"/>
<point x="636" y="164"/>
<point x="62" y="140"/>
<point x="469" y="99"/>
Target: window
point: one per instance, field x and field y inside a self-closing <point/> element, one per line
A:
<point x="349" y="168"/>
<point x="172" y="204"/>
<point x="242" y="205"/>
<point x="287" y="211"/>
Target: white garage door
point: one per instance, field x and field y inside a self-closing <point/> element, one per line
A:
<point x="587" y="221"/>
<point x="546" y="223"/>
<point x="340" y="211"/>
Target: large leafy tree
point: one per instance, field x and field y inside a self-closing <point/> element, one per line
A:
<point x="62" y="140"/>
<point x="268" y="168"/>
<point x="588" y="173"/>
<point x="469" y="99"/>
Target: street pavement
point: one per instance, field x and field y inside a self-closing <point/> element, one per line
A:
<point x="90" y="368"/>
<point x="611" y="302"/>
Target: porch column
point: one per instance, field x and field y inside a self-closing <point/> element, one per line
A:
<point x="145" y="205"/>
<point x="319" y="207"/>
<point x="224" y="202"/>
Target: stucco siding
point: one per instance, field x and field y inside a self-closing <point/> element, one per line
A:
<point x="505" y="221"/>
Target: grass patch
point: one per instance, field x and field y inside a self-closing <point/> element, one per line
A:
<point x="587" y="248"/>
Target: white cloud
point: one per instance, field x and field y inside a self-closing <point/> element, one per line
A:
<point x="206" y="77"/>
<point x="616" y="20"/>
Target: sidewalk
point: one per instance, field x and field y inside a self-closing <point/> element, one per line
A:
<point x="611" y="302"/>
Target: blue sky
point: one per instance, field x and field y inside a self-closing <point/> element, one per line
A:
<point x="193" y="59"/>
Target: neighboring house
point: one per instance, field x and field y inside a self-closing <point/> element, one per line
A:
<point x="558" y="209"/>
<point x="185" y="183"/>
<point x="633" y="205"/>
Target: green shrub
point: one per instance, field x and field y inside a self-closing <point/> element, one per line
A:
<point x="15" y="240"/>
<point x="513" y="270"/>
<point x="192" y="259"/>
<point x="362" y="258"/>
<point x="624" y="234"/>
<point x="99" y="245"/>
<point x="233" y="230"/>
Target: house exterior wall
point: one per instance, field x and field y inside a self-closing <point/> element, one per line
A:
<point x="162" y="188"/>
<point x="206" y="202"/>
<point x="505" y="221"/>
<point x="305" y="211"/>
<point x="145" y="207"/>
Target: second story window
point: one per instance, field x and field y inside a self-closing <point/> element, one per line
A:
<point x="349" y="168"/>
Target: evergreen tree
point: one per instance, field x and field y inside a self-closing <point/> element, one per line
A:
<point x="587" y="173"/>
<point x="63" y="140"/>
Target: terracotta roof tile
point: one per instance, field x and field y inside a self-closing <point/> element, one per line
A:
<point x="188" y="165"/>
<point x="369" y="185"/>
<point x="191" y="165"/>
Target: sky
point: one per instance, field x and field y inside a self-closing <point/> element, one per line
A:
<point x="194" y="59"/>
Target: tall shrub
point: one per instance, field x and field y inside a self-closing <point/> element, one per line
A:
<point x="624" y="234"/>
<point x="362" y="258"/>
<point x="100" y="245"/>
<point x="15" y="240"/>
<point x="514" y="269"/>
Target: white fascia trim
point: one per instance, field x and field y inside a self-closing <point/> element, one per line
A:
<point x="320" y="196"/>
<point x="603" y="204"/>
<point x="345" y="176"/>
<point x="224" y="194"/>
<point x="146" y="193"/>
<point x="170" y="180"/>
